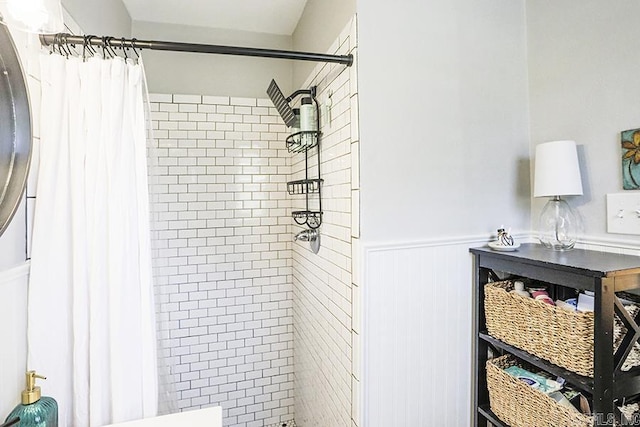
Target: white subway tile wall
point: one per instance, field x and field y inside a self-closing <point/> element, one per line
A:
<point x="325" y="336"/>
<point x="223" y="255"/>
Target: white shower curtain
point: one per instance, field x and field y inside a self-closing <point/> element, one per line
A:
<point x="91" y="321"/>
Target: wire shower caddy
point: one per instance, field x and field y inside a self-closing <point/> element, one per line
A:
<point x="303" y="142"/>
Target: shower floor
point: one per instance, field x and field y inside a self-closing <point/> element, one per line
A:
<point x="291" y="423"/>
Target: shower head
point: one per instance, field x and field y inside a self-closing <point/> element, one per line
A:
<point x="281" y="103"/>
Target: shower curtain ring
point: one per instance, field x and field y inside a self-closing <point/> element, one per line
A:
<point x="114" y="54"/>
<point x="60" y="41"/>
<point x="88" y="39"/>
<point x="56" y="42"/>
<point x="104" y="47"/>
<point x="109" y="48"/>
<point x="65" y="44"/>
<point x="84" y="49"/>
<point x="135" y="50"/>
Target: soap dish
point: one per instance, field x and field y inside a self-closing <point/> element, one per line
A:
<point x="497" y="246"/>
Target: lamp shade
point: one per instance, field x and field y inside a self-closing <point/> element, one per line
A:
<point x="557" y="172"/>
<point x="34" y="16"/>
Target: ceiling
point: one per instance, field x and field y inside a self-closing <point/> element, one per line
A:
<point x="261" y="16"/>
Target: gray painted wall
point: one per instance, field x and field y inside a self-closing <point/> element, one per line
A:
<point x="207" y="74"/>
<point x="583" y="77"/>
<point x="443" y="118"/>
<point x="318" y="28"/>
<point x="100" y="17"/>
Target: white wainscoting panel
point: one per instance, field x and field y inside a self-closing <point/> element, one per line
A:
<point x="418" y="334"/>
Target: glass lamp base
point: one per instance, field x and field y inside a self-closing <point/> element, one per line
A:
<point x="558" y="227"/>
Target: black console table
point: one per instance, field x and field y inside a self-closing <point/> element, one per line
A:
<point x="608" y="276"/>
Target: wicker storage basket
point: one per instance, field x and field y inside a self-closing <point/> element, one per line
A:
<point x="519" y="405"/>
<point x="562" y="337"/>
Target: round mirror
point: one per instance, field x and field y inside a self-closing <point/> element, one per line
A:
<point x="15" y="129"/>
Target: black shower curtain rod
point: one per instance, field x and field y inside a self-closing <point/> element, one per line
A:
<point x="114" y="42"/>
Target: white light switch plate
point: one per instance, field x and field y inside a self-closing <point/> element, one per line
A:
<point x="623" y="213"/>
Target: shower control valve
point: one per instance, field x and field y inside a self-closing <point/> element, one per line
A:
<point x="306" y="235"/>
<point x="312" y="236"/>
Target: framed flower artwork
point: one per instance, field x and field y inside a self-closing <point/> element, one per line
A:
<point x="630" y="140"/>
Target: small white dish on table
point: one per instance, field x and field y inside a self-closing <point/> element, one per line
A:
<point x="497" y="246"/>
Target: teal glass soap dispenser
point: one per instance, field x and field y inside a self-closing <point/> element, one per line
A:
<point x="35" y="410"/>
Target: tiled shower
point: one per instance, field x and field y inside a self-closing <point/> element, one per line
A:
<point x="224" y="254"/>
<point x="251" y="320"/>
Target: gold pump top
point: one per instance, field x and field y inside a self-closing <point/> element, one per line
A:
<point x="32" y="393"/>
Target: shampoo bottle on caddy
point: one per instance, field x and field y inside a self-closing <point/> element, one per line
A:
<point x="308" y="121"/>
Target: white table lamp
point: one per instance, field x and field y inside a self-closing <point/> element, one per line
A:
<point x="557" y="173"/>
